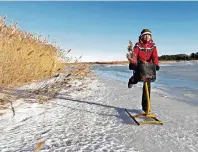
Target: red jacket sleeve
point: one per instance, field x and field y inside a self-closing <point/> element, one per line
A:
<point x="155" y="56"/>
<point x="134" y="56"/>
<point x="135" y="50"/>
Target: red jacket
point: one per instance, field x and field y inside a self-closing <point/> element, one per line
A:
<point x="146" y="52"/>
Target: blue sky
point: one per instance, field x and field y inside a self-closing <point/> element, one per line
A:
<point x="99" y="31"/>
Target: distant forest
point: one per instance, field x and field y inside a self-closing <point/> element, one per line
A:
<point x="192" y="56"/>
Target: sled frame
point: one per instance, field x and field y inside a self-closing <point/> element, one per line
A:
<point x="147" y="114"/>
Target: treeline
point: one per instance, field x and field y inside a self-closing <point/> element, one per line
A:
<point x="192" y="56"/>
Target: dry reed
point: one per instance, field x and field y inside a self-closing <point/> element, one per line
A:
<point x="25" y="57"/>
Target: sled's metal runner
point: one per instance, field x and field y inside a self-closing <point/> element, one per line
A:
<point x="153" y="118"/>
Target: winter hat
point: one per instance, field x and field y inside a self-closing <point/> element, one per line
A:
<point x="146" y="31"/>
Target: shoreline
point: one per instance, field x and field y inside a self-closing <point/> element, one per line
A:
<point x="127" y="62"/>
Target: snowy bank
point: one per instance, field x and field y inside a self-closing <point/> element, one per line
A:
<point x="93" y="119"/>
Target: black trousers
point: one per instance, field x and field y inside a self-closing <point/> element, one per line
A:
<point x="144" y="99"/>
<point x="136" y="80"/>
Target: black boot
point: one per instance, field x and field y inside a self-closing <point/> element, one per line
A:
<point x="130" y="82"/>
<point x="144" y="105"/>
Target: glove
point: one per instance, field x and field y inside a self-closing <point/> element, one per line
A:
<point x="131" y="66"/>
<point x="157" y="67"/>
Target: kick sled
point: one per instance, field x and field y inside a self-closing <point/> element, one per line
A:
<point x="148" y="72"/>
